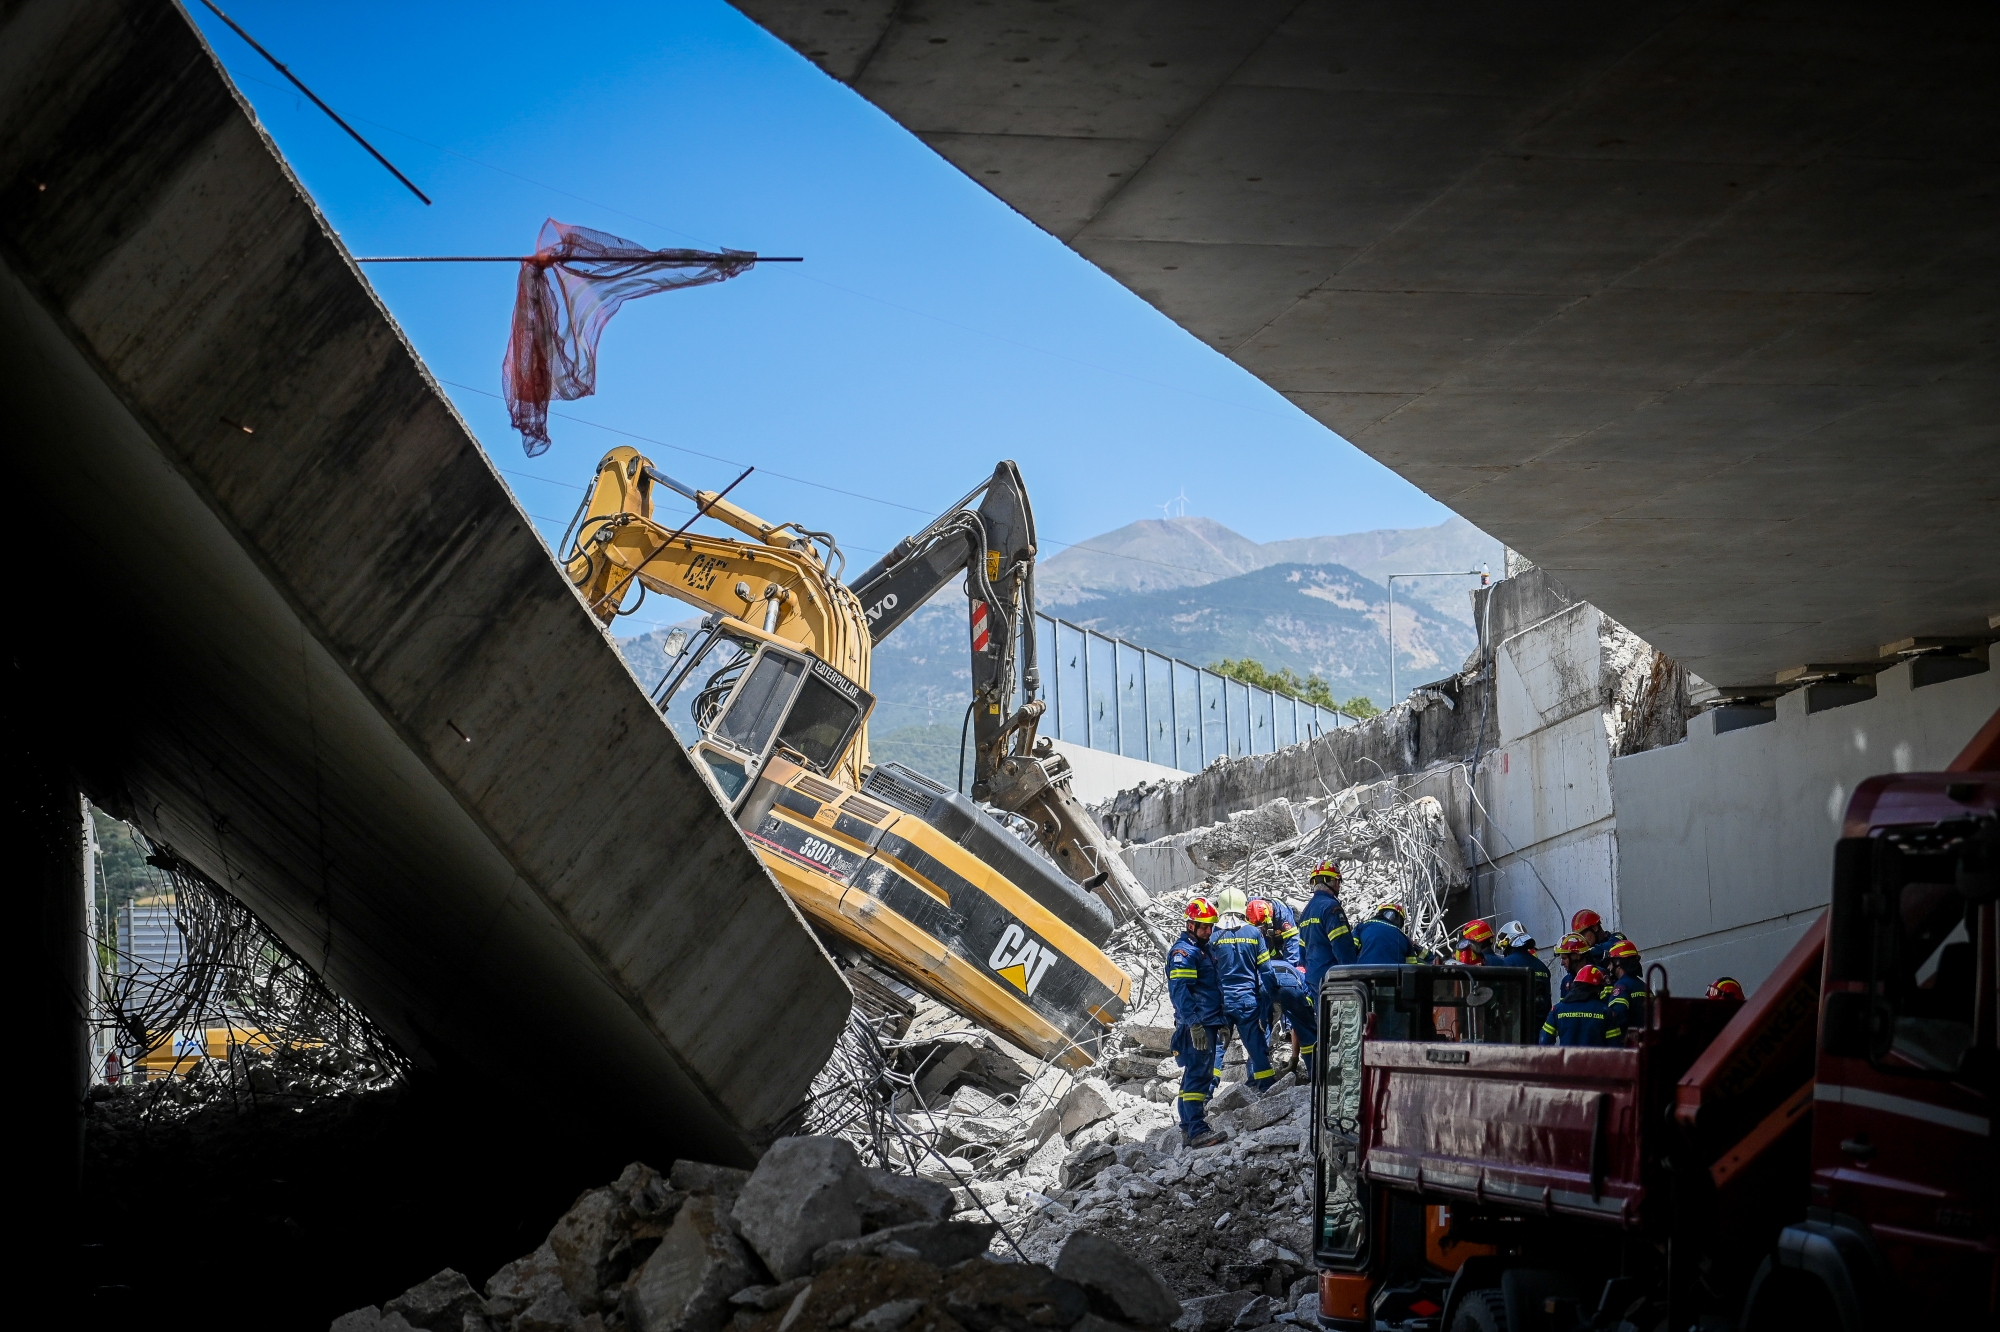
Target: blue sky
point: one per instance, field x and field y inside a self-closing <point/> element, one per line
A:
<point x="931" y="331"/>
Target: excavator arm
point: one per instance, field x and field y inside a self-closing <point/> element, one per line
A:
<point x="774" y="588"/>
<point x="993" y="547"/>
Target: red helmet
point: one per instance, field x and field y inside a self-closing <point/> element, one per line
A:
<point x="1572" y="943"/>
<point x="1328" y="869"/>
<point x="1726" y="988"/>
<point x="1201" y="911"/>
<point x="1623" y="948"/>
<point x="1587" y="975"/>
<point x="1585" y="919"/>
<point x="1259" y="912"/>
<point x="1478" y="931"/>
<point x="1468" y="956"/>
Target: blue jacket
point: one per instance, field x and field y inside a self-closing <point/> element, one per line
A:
<point x="1599" y="952"/>
<point x="1594" y="1020"/>
<point x="1632" y="991"/>
<point x="1239" y="953"/>
<point x="1193" y="984"/>
<point x="1287" y="947"/>
<point x="1324" y="936"/>
<point x="1380" y="943"/>
<point x="1520" y="957"/>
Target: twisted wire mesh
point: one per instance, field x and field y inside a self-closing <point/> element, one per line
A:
<point x="232" y="973"/>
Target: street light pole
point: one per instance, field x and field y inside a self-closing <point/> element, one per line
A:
<point x="1480" y="573"/>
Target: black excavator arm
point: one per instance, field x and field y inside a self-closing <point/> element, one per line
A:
<point x="993" y="546"/>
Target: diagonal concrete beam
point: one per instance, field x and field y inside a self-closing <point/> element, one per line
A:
<point x="285" y="616"/>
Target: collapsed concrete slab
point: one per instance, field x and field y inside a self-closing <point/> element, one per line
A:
<point x="355" y="690"/>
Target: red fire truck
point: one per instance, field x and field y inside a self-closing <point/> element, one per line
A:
<point x="1821" y="1156"/>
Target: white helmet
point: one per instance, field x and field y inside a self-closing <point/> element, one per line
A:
<point x="1516" y="934"/>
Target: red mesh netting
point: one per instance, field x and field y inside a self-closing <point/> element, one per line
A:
<point x="552" y="351"/>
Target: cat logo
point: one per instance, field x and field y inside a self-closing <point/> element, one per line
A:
<point x="1020" y="960"/>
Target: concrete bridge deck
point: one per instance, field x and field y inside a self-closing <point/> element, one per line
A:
<point x="274" y="605"/>
<point x="1692" y="303"/>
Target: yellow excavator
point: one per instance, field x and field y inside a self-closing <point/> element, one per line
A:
<point x="995" y="904"/>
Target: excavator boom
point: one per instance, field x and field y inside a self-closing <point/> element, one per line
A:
<point x="882" y="860"/>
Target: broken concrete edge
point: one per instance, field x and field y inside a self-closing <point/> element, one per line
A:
<point x="646" y="1254"/>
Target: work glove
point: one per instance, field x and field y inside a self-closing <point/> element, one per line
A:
<point x="1199" y="1035"/>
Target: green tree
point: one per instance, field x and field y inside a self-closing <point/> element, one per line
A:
<point x="1284" y="680"/>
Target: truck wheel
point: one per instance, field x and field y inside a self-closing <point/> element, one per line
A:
<point x="1481" y="1311"/>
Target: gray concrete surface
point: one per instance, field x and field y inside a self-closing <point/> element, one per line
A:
<point x="278" y="609"/>
<point x="1692" y="303"/>
<point x="1725" y="842"/>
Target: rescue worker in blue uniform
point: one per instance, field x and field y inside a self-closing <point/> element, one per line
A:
<point x="1589" y="1016"/>
<point x="1325" y="939"/>
<point x="1569" y="954"/>
<point x="1196" y="992"/>
<point x="1282" y="979"/>
<point x="1280" y="928"/>
<point x="1520" y="952"/>
<point x="1597" y="941"/>
<point x="1380" y="940"/>
<point x="1629" y="981"/>
<point x="1239" y="955"/>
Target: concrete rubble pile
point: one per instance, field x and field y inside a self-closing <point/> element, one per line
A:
<point x="810" y="1241"/>
<point x="1392" y="847"/>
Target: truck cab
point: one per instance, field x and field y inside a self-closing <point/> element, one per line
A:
<point x="1819" y="1156"/>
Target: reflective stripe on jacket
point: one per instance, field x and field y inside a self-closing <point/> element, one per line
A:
<point x="1239" y="952"/>
<point x="1193" y="983"/>
<point x="1325" y="938"/>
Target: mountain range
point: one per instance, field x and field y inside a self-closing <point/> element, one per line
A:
<point x="1158" y="554"/>
<point x="1191" y="588"/>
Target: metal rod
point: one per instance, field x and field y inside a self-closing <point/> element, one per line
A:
<point x="280" y="67"/>
<point x="524" y="258"/>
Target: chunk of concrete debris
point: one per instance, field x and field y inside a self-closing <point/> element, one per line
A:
<point x="368" y="1319"/>
<point x="887" y="1317"/>
<point x="1084" y="1165"/>
<point x="1125" y="1287"/>
<point x="894" y="1200"/>
<point x="1257" y="1313"/>
<point x="1212" y="1313"/>
<point x="1136" y="1065"/>
<point x="805" y="1194"/>
<point x="1227" y="845"/>
<point x="1083" y="1105"/>
<point x="1234" y="1096"/>
<point x="946" y="1170"/>
<point x="552" y="1311"/>
<point x="722" y="1183"/>
<point x="939" y="1243"/>
<point x="439" y="1304"/>
<point x="767" y="1298"/>
<point x="1153" y="1038"/>
<point x="1014" y="1297"/>
<point x="686" y="1284"/>
<point x="594" y="1243"/>
<point x="519" y="1283"/>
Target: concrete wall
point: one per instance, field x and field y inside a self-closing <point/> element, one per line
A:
<point x="1547" y="825"/>
<point x="1725" y="842"/>
<point x="1096" y="775"/>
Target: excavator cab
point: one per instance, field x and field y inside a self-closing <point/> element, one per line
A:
<point x="753" y="694"/>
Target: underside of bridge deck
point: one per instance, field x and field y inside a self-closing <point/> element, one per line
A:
<point x="1692" y="304"/>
